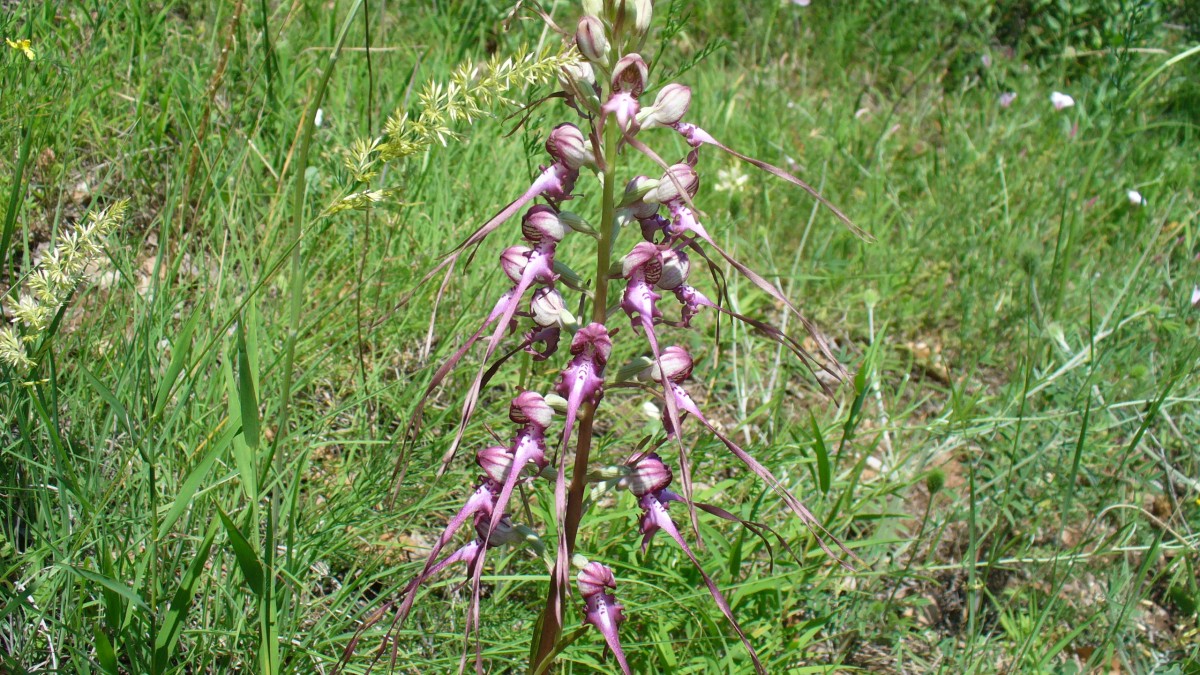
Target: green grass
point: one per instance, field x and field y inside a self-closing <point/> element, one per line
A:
<point x="1018" y="327"/>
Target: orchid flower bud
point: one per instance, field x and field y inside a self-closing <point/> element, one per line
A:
<point x="669" y="107"/>
<point x="579" y="81"/>
<point x="542" y="222"/>
<point x="568" y="145"/>
<point x="667" y="191"/>
<point x="675" y="269"/>
<point x="635" y="191"/>
<point x="595" y="578"/>
<point x="496" y="462"/>
<point x="589" y="36"/>
<point x="529" y="407"/>
<point x="676" y="362"/>
<point x="513" y="261"/>
<point x="557" y="403"/>
<point x="549" y="308"/>
<point x="503" y="533"/>
<point x="577" y="223"/>
<point x="643" y="13"/>
<point x="630" y="75"/>
<point x="648" y="474"/>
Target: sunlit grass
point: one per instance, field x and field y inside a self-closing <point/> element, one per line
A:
<point x="1019" y="326"/>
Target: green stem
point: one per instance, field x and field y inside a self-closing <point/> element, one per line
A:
<point x="549" y="629"/>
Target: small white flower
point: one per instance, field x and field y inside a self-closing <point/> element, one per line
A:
<point x="732" y="180"/>
<point x="1136" y="198"/>
<point x="1007" y="98"/>
<point x="1061" y="101"/>
<point x="986" y="60"/>
<point x="1196" y="297"/>
<point x="651" y="411"/>
<point x="319" y="118"/>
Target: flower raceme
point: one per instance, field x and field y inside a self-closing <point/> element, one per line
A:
<point x="548" y="456"/>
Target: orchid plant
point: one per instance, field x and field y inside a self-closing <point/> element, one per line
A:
<point x="605" y="86"/>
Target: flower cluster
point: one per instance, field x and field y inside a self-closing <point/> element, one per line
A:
<point x="53" y="280"/>
<point x="608" y="91"/>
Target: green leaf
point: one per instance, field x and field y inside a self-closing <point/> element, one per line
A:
<point x="243" y="456"/>
<point x="824" y="468"/>
<point x="247" y="559"/>
<point x="194" y="479"/>
<point x="167" y="640"/>
<point x="109" y="397"/>
<point x="105" y="654"/>
<point x="247" y="399"/>
<point x="112" y="585"/>
<point x="180" y="348"/>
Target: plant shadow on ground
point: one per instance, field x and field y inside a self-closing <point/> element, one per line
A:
<point x="1015" y="463"/>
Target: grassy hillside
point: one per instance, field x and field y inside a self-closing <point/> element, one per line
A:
<point x="1015" y="460"/>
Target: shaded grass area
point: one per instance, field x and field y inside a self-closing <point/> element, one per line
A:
<point x="1015" y="462"/>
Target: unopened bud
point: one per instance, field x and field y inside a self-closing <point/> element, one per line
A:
<point x="542" y="222"/>
<point x="676" y="362"/>
<point x="669" y="107"/>
<point x="589" y="36"/>
<point x="595" y="578"/>
<point x="667" y="190"/>
<point x="495" y="461"/>
<point x="635" y="190"/>
<point x="568" y="145"/>
<point x="630" y="75"/>
<point x="579" y="81"/>
<point x="556" y="403"/>
<point x="648" y="474"/>
<point x="549" y="309"/>
<point x="643" y="14"/>
<point x="529" y="407"/>
<point x="576" y="223"/>
<point x="675" y="269"/>
<point x="513" y="261"/>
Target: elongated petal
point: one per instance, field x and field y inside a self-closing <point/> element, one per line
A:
<point x="686" y="220"/>
<point x="657" y="511"/>
<point x="810" y="521"/>
<point x="697" y="136"/>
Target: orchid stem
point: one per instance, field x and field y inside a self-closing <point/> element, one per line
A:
<point x="549" y="630"/>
